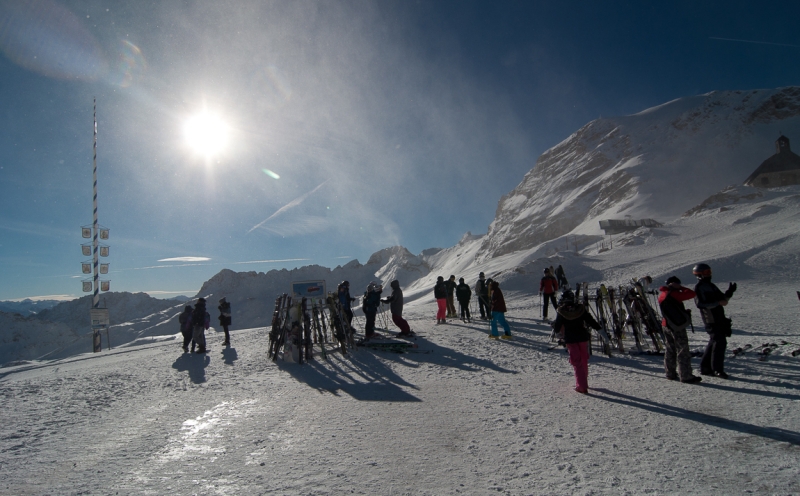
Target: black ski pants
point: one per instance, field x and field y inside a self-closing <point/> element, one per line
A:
<point x="714" y="355"/>
<point x="369" y="327"/>
<point x="464" y="309"/>
<point x="483" y="306"/>
<point x="551" y="298"/>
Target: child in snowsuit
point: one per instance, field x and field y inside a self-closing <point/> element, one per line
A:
<point x="372" y="300"/>
<point x="185" y="320"/>
<point x="675" y="321"/>
<point x="710" y="300"/>
<point x="440" y="293"/>
<point x="548" y="287"/>
<point x="571" y="323"/>
<point x="225" y="319"/>
<point x="395" y="301"/>
<point x="463" y="295"/>
<point x="498" y="312"/>
<point x="200" y="321"/>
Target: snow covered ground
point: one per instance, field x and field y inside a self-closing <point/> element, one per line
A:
<point x="462" y="414"/>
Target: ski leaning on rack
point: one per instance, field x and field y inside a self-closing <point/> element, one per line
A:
<point x="602" y="336"/>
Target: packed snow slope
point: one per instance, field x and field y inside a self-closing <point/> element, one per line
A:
<point x="654" y="164"/>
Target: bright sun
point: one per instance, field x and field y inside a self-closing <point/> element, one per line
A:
<point x="206" y="133"/>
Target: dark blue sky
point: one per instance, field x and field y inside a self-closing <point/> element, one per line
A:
<point x="386" y="122"/>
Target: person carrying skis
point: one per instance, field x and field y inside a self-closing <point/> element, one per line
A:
<point x="498" y="312"/>
<point x="482" y="292"/>
<point x="345" y="300"/>
<point x="710" y="300"/>
<point x="677" y="357"/>
<point x="440" y="293"/>
<point x="463" y="295"/>
<point x="200" y="322"/>
<point x="561" y="277"/>
<point x="225" y="319"/>
<point x="451" y="287"/>
<point x="395" y="301"/>
<point x="370" y="304"/>
<point x="571" y="323"/>
<point x="185" y="320"/>
<point x="547" y="288"/>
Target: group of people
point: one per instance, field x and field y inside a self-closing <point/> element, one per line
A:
<point x="490" y="302"/>
<point x="573" y="322"/>
<point x="195" y="321"/>
<point x="370" y="305"/>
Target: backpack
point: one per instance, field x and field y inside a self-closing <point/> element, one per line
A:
<point x="674" y="311"/>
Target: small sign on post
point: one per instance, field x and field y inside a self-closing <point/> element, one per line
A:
<point x="100" y="320"/>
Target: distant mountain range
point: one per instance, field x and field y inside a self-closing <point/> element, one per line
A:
<point x="660" y="163"/>
<point x="27" y="307"/>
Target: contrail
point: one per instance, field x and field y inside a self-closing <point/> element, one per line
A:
<point x="752" y="41"/>
<point x="297" y="201"/>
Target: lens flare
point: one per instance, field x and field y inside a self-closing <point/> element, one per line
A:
<point x="270" y="174"/>
<point x="206" y="133"/>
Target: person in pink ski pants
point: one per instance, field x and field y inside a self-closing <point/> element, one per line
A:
<point x="571" y="323"/>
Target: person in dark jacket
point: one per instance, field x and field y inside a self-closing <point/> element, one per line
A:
<point x="482" y="292"/>
<point x="372" y="300"/>
<point x="498" y="312"/>
<point x="571" y="322"/>
<point x="451" y="288"/>
<point x="677" y="357"/>
<point x="225" y="319"/>
<point x="185" y="320"/>
<point x="548" y="287"/>
<point x="343" y="292"/>
<point x="395" y="301"/>
<point x="440" y="293"/>
<point x="561" y="277"/>
<point x="200" y="322"/>
<point x="463" y="295"/>
<point x="710" y="300"/>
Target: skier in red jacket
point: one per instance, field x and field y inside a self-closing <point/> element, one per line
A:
<point x="548" y="287"/>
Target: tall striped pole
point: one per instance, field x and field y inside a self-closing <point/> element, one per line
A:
<point x="95" y="225"/>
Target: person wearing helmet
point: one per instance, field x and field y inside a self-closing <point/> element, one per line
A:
<point x="572" y="322"/>
<point x="710" y="300"/>
<point x="225" y="319"/>
<point x="451" y="305"/>
<point x="200" y="322"/>
<point x="440" y="293"/>
<point x="482" y="292"/>
<point x="463" y="295"/>
<point x="677" y="357"/>
<point x="370" y="304"/>
<point x="185" y="320"/>
<point x="548" y="287"/>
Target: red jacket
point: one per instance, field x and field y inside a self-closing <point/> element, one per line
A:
<point x="549" y="285"/>
<point x="680" y="294"/>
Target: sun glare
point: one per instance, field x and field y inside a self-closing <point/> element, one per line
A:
<point x="206" y="133"/>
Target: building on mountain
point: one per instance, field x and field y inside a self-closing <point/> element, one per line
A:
<point x="781" y="169"/>
<point x="614" y="226"/>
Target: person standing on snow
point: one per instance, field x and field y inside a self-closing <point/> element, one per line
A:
<point x="498" y="312"/>
<point x="561" y="277"/>
<point x="395" y="301"/>
<point x="710" y="300"/>
<point x="548" y="287"/>
<point x="463" y="295"/>
<point x="440" y="293"/>
<point x="200" y="322"/>
<point x="185" y="320"/>
<point x="571" y="323"/>
<point x="482" y="292"/>
<point x="343" y="292"/>
<point x="370" y="304"/>
<point x="225" y="319"/>
<point x="675" y="321"/>
<point x="451" y="305"/>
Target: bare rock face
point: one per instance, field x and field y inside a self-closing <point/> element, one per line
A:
<point x="654" y="164"/>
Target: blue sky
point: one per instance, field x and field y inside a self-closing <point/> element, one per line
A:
<point x="343" y="127"/>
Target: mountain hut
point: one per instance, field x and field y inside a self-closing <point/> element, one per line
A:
<point x="781" y="169"/>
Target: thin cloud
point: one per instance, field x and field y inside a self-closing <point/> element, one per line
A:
<point x="61" y="297"/>
<point x="297" y="201"/>
<point x="185" y="259"/>
<point x="753" y="41"/>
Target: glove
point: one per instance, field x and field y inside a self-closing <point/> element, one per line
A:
<point x="731" y="290"/>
